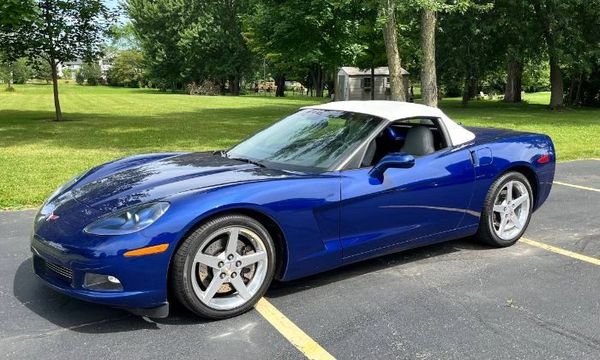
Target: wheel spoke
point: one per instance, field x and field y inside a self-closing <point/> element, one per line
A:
<point x="520" y="200"/>
<point x="503" y="221"/>
<point x="516" y="222"/>
<point x="241" y="288"/>
<point x="509" y="191"/>
<point x="252" y="258"/>
<point x="212" y="288"/>
<point x="232" y="241"/>
<point x="208" y="260"/>
<point x="499" y="208"/>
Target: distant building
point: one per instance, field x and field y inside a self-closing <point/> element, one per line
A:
<point x="353" y="83"/>
<point x="105" y="65"/>
<point x="74" y="66"/>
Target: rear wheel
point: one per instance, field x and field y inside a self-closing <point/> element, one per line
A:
<point x="507" y="210"/>
<point x="224" y="267"/>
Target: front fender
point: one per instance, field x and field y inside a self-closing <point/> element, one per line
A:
<point x="305" y="209"/>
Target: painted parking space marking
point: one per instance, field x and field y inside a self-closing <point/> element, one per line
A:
<point x="577" y="186"/>
<point x="304" y="343"/>
<point x="561" y="251"/>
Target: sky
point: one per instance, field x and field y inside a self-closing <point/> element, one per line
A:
<point x="113" y="4"/>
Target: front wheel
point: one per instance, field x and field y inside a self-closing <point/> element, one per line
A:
<point x="507" y="210"/>
<point x="224" y="267"/>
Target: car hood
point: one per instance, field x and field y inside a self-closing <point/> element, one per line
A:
<point x="163" y="176"/>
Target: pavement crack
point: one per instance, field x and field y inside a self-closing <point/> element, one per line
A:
<point x="558" y="329"/>
<point x="21" y="337"/>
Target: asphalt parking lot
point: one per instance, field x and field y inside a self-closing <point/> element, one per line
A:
<point x="456" y="300"/>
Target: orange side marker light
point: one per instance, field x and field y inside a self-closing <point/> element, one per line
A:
<point x="155" y="249"/>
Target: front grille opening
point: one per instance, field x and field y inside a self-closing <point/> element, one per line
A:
<point x="50" y="269"/>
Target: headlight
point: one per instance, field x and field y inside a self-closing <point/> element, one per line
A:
<point x="129" y="220"/>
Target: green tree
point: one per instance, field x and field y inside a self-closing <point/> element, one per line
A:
<point x="57" y="31"/>
<point x="370" y="42"/>
<point x="22" y="71"/>
<point x="92" y="73"/>
<point x="79" y="77"/>
<point x="127" y="69"/>
<point x="300" y="38"/>
<point x="15" y="12"/>
<point x="68" y="74"/>
<point x="6" y="74"/>
<point x="41" y="69"/>
<point x="123" y="37"/>
<point x="192" y="41"/>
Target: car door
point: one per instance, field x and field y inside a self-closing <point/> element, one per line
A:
<point x="409" y="205"/>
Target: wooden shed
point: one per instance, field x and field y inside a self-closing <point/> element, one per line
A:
<point x="353" y="83"/>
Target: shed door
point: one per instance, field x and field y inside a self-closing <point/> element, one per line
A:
<point x="342" y="87"/>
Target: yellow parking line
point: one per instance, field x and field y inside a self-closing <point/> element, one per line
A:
<point x="561" y="251"/>
<point x="307" y="346"/>
<point x="577" y="186"/>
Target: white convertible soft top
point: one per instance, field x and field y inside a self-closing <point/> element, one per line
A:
<point x="395" y="110"/>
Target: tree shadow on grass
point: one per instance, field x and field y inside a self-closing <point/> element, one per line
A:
<point x="201" y="129"/>
<point x="90" y="131"/>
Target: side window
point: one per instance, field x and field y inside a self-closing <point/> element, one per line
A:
<point x="416" y="136"/>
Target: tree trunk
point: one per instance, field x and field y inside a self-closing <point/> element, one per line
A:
<point x="466" y="95"/>
<point x="578" y="95"/>
<point x="514" y="76"/>
<point x="429" y="95"/>
<point x="546" y="14"/>
<point x="390" y="37"/>
<point x="556" y="83"/>
<point x="372" y="82"/>
<point x="53" y="66"/>
<point x="320" y="82"/>
<point x="234" y="85"/>
<point x="9" y="86"/>
<point x="280" y="83"/>
<point x="570" y="96"/>
<point x="469" y="89"/>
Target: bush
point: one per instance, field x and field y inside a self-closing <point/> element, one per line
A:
<point x="127" y="70"/>
<point x="92" y="73"/>
<point x="68" y="74"/>
<point x="21" y="71"/>
<point x="206" y="88"/>
<point x="17" y="72"/>
<point x="79" y="78"/>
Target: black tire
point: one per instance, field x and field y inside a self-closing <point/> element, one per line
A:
<point x="486" y="232"/>
<point x="181" y="282"/>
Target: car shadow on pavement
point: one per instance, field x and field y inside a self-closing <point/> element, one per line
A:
<point x="80" y="316"/>
<point x="372" y="265"/>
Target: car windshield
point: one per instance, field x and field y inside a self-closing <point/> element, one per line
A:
<point x="310" y="138"/>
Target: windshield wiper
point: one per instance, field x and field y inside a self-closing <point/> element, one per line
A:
<point x="246" y="160"/>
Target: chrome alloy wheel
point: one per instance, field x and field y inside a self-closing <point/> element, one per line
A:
<point x="229" y="268"/>
<point x="511" y="209"/>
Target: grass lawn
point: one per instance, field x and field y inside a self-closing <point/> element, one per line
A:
<point x="103" y="123"/>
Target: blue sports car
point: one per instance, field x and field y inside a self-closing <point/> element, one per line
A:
<point x="329" y="185"/>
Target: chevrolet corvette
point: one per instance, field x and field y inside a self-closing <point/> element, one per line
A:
<point x="329" y="185"/>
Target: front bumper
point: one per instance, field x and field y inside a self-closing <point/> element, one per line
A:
<point x="144" y="279"/>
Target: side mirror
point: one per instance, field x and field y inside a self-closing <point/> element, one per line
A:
<point x="392" y="160"/>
